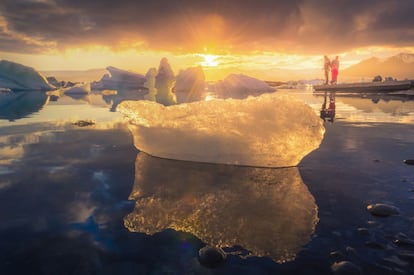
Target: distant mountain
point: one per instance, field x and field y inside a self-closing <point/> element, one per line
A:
<point x="76" y="76"/>
<point x="400" y="66"/>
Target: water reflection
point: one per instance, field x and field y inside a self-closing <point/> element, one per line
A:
<point x="123" y="94"/>
<point x="17" y="105"/>
<point x="369" y="107"/>
<point x="328" y="112"/>
<point x="269" y="212"/>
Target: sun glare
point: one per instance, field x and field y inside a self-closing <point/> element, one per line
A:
<point x="209" y="60"/>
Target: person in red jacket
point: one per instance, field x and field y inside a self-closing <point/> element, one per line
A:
<point x="335" y="70"/>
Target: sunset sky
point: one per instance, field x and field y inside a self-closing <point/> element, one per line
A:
<point x="263" y="38"/>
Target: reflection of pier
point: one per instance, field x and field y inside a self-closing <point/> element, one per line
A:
<point x="328" y="113"/>
<point x="269" y="212"/>
<point x="386" y="86"/>
<point x="365" y="107"/>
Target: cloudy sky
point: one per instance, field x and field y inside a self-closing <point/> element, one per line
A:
<point x="219" y="34"/>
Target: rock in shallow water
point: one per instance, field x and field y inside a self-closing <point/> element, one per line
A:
<point x="409" y="161"/>
<point x="382" y="210"/>
<point x="345" y="268"/>
<point x="211" y="256"/>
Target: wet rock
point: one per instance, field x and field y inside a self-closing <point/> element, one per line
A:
<point x="382" y="210"/>
<point x="345" y="268"/>
<point x="404" y="242"/>
<point x="83" y="123"/>
<point x="210" y="256"/>
<point x="336" y="255"/>
<point x="409" y="161"/>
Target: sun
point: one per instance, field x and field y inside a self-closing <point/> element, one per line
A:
<point x="210" y="60"/>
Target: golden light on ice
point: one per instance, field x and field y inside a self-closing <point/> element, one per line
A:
<point x="210" y="60"/>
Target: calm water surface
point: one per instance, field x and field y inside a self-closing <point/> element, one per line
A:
<point x="83" y="200"/>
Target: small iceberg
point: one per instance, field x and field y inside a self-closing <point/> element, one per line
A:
<point x="241" y="86"/>
<point x="270" y="130"/>
<point x="78" y="89"/>
<point x="119" y="79"/>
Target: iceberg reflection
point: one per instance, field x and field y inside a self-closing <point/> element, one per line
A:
<point x="17" y="105"/>
<point x="269" y="212"/>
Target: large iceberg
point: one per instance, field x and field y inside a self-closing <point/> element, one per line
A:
<point x="19" y="77"/>
<point x="269" y="212"/>
<point x="241" y="86"/>
<point x="271" y="130"/>
<point x="120" y="79"/>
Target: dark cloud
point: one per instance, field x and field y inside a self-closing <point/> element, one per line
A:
<point x="296" y="26"/>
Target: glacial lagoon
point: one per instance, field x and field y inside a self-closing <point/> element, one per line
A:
<point x="79" y="198"/>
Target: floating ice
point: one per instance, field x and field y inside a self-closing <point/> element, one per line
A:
<point x="269" y="212"/>
<point x="270" y="130"/>
<point x="19" y="77"/>
<point x="241" y="86"/>
<point x="119" y="79"/>
<point x="150" y="84"/>
<point x="164" y="83"/>
<point x="78" y="89"/>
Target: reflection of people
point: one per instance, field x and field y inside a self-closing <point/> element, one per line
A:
<point x="328" y="113"/>
<point x="335" y="70"/>
<point x="326" y="68"/>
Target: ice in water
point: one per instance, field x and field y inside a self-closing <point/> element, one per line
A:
<point x="270" y="130"/>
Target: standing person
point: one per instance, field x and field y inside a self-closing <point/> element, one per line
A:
<point x="326" y="68"/>
<point x="335" y="70"/>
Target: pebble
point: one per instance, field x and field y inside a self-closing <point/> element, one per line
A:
<point x="83" y="123"/>
<point x="409" y="161"/>
<point x="345" y="268"/>
<point x="382" y="210"/>
<point x="336" y="254"/>
<point x="211" y="256"/>
<point x="404" y="242"/>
